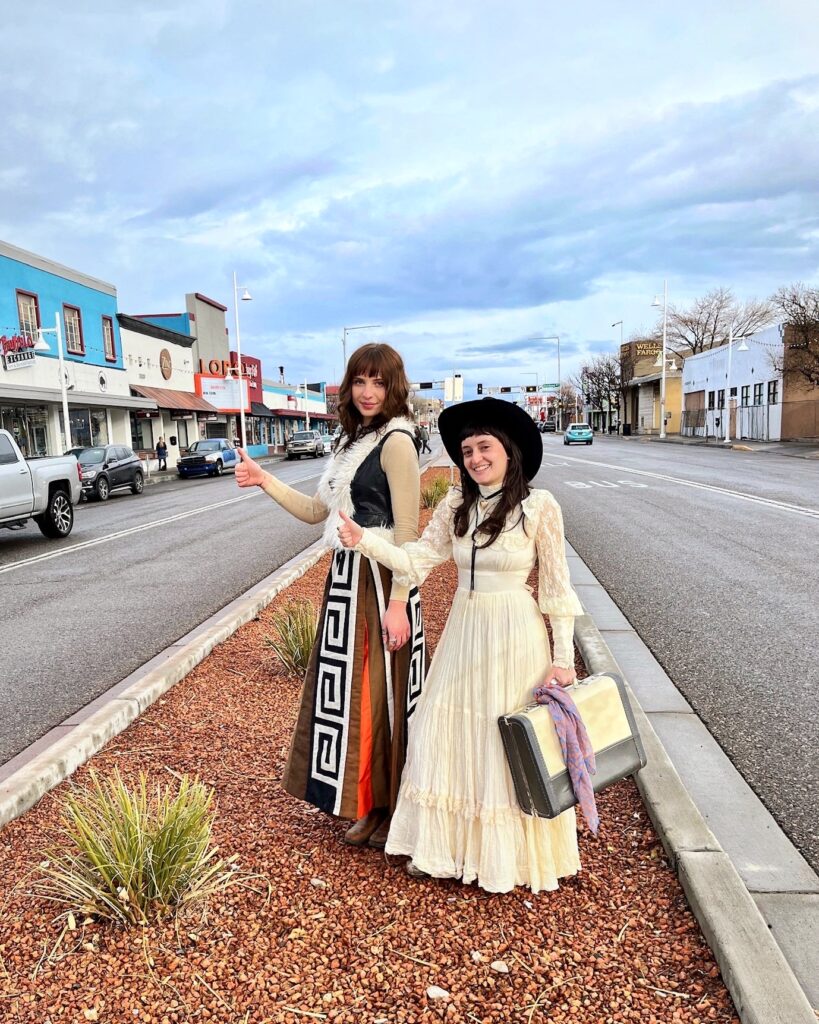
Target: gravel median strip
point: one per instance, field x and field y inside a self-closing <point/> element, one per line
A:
<point x="315" y="930"/>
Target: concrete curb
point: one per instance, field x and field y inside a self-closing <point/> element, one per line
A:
<point x="24" y="787"/>
<point x="762" y="985"/>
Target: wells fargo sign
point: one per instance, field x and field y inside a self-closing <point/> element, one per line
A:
<point x="646" y="349"/>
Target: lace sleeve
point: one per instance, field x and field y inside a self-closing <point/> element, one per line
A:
<point x="413" y="562"/>
<point x="555" y="594"/>
<point x="556" y="597"/>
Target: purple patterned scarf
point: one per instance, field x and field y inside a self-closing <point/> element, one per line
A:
<point x="578" y="754"/>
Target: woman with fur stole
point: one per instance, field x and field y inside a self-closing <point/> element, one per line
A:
<point x="368" y="663"/>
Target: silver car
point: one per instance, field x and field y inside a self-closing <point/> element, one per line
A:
<point x="305" y="442"/>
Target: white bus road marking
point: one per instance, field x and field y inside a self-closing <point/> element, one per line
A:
<point x="784" y="506"/>
<point x="604" y="483"/>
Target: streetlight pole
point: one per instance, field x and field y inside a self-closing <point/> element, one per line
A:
<point x="554" y="337"/>
<point x="42" y="346"/>
<point x="306" y="410"/>
<point x="246" y="297"/>
<point x="360" y="327"/>
<point x="742" y="347"/>
<point x="622" y="395"/>
<point x="656" y="302"/>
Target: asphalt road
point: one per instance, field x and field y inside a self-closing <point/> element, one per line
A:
<point x="137" y="573"/>
<point x="712" y="556"/>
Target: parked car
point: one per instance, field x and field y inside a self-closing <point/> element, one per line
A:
<point x="548" y="426"/>
<point x="578" y="433"/>
<point x="212" y="457"/>
<point x="45" y="490"/>
<point x="110" y="467"/>
<point x="305" y="442"/>
<point x="329" y="443"/>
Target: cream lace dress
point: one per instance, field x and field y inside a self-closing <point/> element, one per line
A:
<point x="457" y="816"/>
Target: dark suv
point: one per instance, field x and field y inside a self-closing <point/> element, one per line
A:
<point x="109" y="467"/>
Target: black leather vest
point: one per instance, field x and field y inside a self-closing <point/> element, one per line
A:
<point x="370" y="490"/>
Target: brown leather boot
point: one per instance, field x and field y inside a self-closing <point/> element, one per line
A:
<point x="360" y="831"/>
<point x="378" y="840"/>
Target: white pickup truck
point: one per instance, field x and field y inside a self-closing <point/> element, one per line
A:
<point x="45" y="490"/>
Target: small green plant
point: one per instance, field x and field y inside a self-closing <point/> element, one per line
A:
<point x="432" y="494"/>
<point x="135" y="854"/>
<point x="295" y="635"/>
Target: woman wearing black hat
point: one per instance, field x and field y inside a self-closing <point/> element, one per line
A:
<point x="457" y="816"/>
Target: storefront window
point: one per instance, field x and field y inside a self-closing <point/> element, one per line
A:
<point x="28" y="425"/>
<point x="89" y="427"/>
<point x="142" y="433"/>
<point x="180" y="428"/>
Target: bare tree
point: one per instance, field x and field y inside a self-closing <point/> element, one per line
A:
<point x="706" y="323"/>
<point x="798" y="306"/>
<point x="599" y="384"/>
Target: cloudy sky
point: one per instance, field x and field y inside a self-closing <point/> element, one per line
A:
<point x="468" y="174"/>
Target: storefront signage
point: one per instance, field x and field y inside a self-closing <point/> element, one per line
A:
<point x="221" y="392"/>
<point x="165" y="364"/>
<point x="18" y="350"/>
<point x="647" y="349"/>
<point x="221" y="367"/>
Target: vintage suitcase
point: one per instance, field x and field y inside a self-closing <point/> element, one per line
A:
<point x="541" y="779"/>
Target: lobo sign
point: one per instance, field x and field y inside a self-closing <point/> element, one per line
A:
<point x="18" y="350"/>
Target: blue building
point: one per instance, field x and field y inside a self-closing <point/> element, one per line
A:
<point x="38" y="294"/>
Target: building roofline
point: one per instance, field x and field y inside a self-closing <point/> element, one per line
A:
<point x="210" y="302"/>
<point x="31" y="259"/>
<point x="132" y="323"/>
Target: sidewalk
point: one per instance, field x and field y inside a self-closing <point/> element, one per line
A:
<point x="332" y="929"/>
<point x="793" y="449"/>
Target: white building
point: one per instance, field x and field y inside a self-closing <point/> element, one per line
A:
<point x="753" y="395"/>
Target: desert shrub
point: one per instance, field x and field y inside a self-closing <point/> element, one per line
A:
<point x="432" y="494"/>
<point x="133" y="854"/>
<point x="295" y="626"/>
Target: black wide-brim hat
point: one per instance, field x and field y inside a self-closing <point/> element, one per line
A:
<point x="492" y="412"/>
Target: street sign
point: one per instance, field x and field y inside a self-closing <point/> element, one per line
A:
<point x="549" y="387"/>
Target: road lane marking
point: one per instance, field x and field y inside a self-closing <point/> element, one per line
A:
<point x="123" y="533"/>
<point x="783" y="506"/>
<point x="603" y="483"/>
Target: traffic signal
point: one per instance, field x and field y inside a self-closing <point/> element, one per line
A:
<point x="531" y="389"/>
<point x="480" y="389"/>
<point x="506" y="391"/>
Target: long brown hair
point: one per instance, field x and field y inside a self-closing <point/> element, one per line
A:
<point x="372" y="360"/>
<point x="515" y="489"/>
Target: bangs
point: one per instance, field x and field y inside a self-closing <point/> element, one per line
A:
<point x="370" y="361"/>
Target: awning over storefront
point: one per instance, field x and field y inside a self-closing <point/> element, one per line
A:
<point x="260" y="409"/>
<point x="292" y="414"/>
<point x="167" y="398"/>
<point x="81" y="398"/>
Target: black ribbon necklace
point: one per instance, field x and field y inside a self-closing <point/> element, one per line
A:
<point x="488" y="497"/>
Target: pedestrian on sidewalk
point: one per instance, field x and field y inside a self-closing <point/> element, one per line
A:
<point x="423" y="437"/>
<point x="368" y="664"/>
<point x="457" y="815"/>
<point x="162" y="453"/>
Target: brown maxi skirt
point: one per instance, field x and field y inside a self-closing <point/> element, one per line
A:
<point x="350" y="741"/>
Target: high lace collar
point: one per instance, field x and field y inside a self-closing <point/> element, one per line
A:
<point x="489" y="492"/>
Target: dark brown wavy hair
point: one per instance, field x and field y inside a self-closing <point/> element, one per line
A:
<point x="515" y="489"/>
<point x="372" y="360"/>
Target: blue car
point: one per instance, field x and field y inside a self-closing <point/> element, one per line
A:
<point x="578" y="433"/>
<point x="210" y="458"/>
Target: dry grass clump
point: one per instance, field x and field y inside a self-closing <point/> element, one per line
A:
<point x="434" y="491"/>
<point x="135" y="854"/>
<point x="295" y="626"/>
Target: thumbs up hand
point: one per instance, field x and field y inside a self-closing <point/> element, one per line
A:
<point x="248" y="472"/>
<point x="349" y="533"/>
